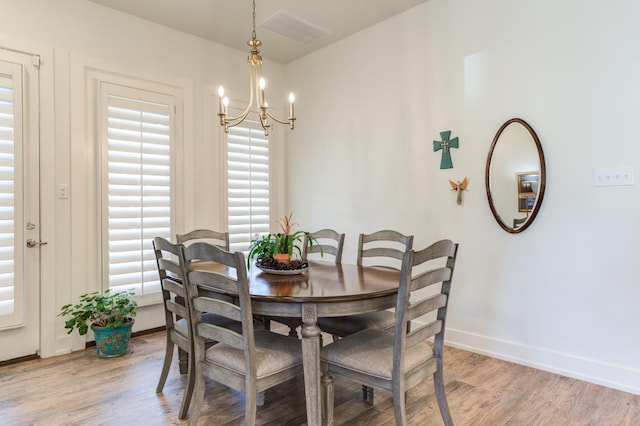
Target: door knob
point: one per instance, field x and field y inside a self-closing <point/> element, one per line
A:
<point x="33" y="243"/>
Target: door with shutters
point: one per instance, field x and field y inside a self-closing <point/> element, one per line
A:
<point x="20" y="243"/>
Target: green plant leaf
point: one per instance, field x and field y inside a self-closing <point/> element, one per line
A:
<point x="106" y="310"/>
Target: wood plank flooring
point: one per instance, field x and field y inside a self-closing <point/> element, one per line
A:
<point x="82" y="389"/>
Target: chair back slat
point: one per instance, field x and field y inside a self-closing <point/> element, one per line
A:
<point x="217" y="238"/>
<point x="328" y="241"/>
<point x="387" y="235"/>
<point x="422" y="307"/>
<point x="220" y="307"/>
<point x="440" y="249"/>
<point x="220" y="335"/>
<point x="383" y="252"/>
<point x="170" y="265"/>
<point x="424" y="332"/>
<point x="176" y="308"/>
<point x="384" y="246"/>
<point x="324" y="249"/>
<point x="173" y="286"/>
<point x="218" y="281"/>
<point x="431" y="277"/>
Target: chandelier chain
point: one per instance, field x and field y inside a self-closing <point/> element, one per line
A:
<point x="253" y="33"/>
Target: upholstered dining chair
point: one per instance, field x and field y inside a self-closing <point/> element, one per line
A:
<point x="385" y="247"/>
<point x="178" y="330"/>
<point x="329" y="242"/>
<point x="400" y="360"/>
<point x="251" y="361"/>
<point x="220" y="239"/>
<point x="382" y="248"/>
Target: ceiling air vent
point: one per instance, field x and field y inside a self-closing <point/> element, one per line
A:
<point x="293" y="27"/>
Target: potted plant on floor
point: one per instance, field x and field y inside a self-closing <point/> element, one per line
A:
<point x="111" y="318"/>
<point x="278" y="251"/>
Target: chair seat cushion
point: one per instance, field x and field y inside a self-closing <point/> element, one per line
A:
<point x="383" y="320"/>
<point x="208" y="317"/>
<point x="274" y="353"/>
<point x="371" y="352"/>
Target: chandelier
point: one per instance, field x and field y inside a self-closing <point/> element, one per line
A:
<point x="257" y="85"/>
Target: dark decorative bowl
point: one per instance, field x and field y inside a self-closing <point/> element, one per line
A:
<point x="271" y="266"/>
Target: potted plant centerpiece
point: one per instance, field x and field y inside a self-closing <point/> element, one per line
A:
<point x="111" y="317"/>
<point x="280" y="251"/>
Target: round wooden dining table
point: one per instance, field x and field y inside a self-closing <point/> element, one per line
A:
<point x="324" y="289"/>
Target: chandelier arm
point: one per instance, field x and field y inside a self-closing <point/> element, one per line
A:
<point x="234" y="121"/>
<point x="238" y="118"/>
<point x="277" y="119"/>
<point x="290" y="121"/>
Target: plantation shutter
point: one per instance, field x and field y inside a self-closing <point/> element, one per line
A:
<point x="137" y="191"/>
<point x="247" y="183"/>
<point x="10" y="140"/>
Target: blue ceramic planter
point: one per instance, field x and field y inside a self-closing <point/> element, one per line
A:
<point x="112" y="342"/>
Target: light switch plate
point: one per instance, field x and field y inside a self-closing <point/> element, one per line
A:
<point x="615" y="176"/>
<point x="63" y="191"/>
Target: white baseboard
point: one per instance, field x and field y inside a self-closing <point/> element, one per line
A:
<point x="593" y="371"/>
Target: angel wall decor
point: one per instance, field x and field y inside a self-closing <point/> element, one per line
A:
<point x="459" y="187"/>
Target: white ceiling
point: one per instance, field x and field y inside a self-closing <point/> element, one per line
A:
<point x="229" y="21"/>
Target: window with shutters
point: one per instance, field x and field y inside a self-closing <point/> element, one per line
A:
<point x="247" y="183"/>
<point x="137" y="143"/>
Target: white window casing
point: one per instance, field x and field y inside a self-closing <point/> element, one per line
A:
<point x="137" y="185"/>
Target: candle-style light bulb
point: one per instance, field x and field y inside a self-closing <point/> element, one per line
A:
<point x="220" y="99"/>
<point x="291" y="99"/>
<point x="261" y="101"/>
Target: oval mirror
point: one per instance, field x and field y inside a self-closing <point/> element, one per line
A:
<point x="515" y="176"/>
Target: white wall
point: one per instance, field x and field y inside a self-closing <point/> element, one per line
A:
<point x="75" y="37"/>
<point x="561" y="296"/>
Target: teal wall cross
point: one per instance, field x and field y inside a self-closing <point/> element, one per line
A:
<point x="445" y="145"/>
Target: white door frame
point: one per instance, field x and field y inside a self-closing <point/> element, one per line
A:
<point x="20" y="332"/>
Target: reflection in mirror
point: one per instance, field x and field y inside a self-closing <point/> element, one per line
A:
<point x="515" y="176"/>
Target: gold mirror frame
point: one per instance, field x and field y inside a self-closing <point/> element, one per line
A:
<point x="539" y="194"/>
